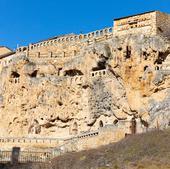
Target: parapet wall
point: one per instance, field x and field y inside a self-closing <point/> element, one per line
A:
<point x="68" y="39"/>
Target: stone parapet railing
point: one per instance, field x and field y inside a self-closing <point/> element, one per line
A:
<point x="79" y="79"/>
<point x="99" y="73"/>
<point x="70" y="38"/>
<point x="30" y="140"/>
<point x="27" y="156"/>
<point x="85" y="135"/>
<point x="5" y="156"/>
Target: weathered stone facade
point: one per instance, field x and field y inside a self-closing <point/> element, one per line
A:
<point x="75" y="84"/>
<point x="152" y="23"/>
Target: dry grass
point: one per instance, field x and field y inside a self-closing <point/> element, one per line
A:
<point x="144" y="151"/>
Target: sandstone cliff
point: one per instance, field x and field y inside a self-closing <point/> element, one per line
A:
<point x="94" y="85"/>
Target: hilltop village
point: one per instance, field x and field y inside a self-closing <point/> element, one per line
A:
<point x="97" y="87"/>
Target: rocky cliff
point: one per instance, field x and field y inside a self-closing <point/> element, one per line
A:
<point x="90" y="86"/>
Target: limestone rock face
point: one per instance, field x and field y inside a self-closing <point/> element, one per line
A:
<point x="57" y="91"/>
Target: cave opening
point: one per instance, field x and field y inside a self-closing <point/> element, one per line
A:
<point x="34" y="74"/>
<point x="101" y="124"/>
<point x="59" y="71"/>
<point x="115" y="121"/>
<point x="145" y="68"/>
<point x="15" y="75"/>
<point x="60" y="103"/>
<point x="73" y="72"/>
<point x="145" y="55"/>
<point x="75" y="128"/>
<point x="128" y="52"/>
<point x="101" y="65"/>
<point x="161" y="57"/>
<point x="157" y="68"/>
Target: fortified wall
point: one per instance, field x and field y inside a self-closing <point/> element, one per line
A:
<point x="69" y="85"/>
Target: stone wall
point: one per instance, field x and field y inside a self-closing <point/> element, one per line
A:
<point x="145" y="23"/>
<point x="103" y="136"/>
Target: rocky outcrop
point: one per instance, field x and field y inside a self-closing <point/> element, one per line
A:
<point x="116" y="79"/>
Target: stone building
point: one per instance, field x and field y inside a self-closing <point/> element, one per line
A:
<point x="152" y="23"/>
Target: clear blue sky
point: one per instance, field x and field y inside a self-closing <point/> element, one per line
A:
<point x="26" y="21"/>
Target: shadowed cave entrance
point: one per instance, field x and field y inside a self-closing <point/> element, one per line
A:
<point x="15" y="75"/>
<point x="73" y="72"/>
<point x="101" y="65"/>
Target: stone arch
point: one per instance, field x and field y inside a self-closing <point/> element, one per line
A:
<point x="157" y="68"/>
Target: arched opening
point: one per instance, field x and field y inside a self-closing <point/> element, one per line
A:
<point x="100" y="65"/>
<point x="145" y="68"/>
<point x="157" y="68"/>
<point x="128" y="52"/>
<point x="75" y="128"/>
<point x="34" y="73"/>
<point x="101" y="124"/>
<point x="60" y="103"/>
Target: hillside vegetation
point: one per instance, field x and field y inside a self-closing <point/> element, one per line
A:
<point x="144" y="151"/>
